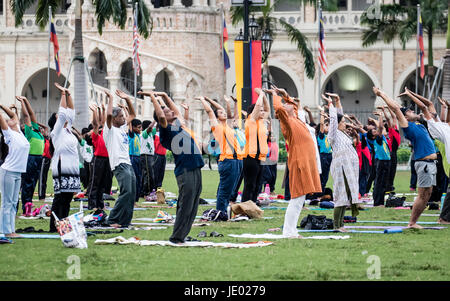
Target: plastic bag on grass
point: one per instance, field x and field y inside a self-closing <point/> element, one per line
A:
<point x="71" y="230"/>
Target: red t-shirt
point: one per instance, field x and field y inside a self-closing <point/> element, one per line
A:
<point x="99" y="145"/>
<point x="47" y="153"/>
<point x="159" y="149"/>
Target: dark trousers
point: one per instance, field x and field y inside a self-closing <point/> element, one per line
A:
<point x="189" y="189"/>
<point x="159" y="169"/>
<point x="287" y="190"/>
<point x="122" y="213"/>
<point x="372" y="175"/>
<point x="379" y="187"/>
<point x="392" y="172"/>
<point x="269" y="176"/>
<point x="84" y="175"/>
<point x="229" y="172"/>
<point x="413" y="180"/>
<point x="148" y="182"/>
<point x="61" y="207"/>
<point x="100" y="180"/>
<point x="30" y="178"/>
<point x="325" y="163"/>
<point x="252" y="176"/>
<point x="136" y="163"/>
<point x="43" y="174"/>
<point x="235" y="193"/>
<point x="441" y="181"/>
<point x="445" y="211"/>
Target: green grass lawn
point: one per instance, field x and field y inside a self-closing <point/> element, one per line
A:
<point x="412" y="255"/>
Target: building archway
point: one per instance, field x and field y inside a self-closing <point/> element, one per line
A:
<point x="162" y="82"/>
<point x="126" y="82"/>
<point x="283" y="80"/>
<point x="98" y="68"/>
<point x="35" y="90"/>
<point x="354" y="87"/>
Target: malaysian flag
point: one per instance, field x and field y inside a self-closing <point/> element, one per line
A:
<point x="136" y="60"/>
<point x="54" y="40"/>
<point x="322" y="50"/>
<point x="421" y="48"/>
<point x="226" y="58"/>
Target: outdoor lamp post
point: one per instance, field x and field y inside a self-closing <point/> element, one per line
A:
<point x="266" y="45"/>
<point x="253" y="29"/>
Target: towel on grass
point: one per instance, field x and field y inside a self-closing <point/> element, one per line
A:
<point x="278" y="236"/>
<point x="136" y="241"/>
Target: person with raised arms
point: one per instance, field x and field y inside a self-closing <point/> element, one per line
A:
<point x="65" y="161"/>
<point x="303" y="172"/>
<point x="424" y="152"/>
<point x="177" y="138"/>
<point x="115" y="135"/>
<point x="10" y="172"/>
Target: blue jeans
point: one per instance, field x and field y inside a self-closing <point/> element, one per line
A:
<point x="229" y="172"/>
<point x="9" y="187"/>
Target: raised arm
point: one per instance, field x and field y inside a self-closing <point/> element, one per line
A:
<point x="256" y="113"/>
<point x="311" y="118"/>
<point x="186" y="111"/>
<point x="10" y="113"/>
<point x="444" y="109"/>
<point x="63" y="101"/>
<point x="394" y="106"/>
<point x="95" y="124"/>
<point x="425" y="101"/>
<point x="337" y="100"/>
<point x="162" y="121"/>
<point x="171" y="104"/>
<point x="131" y="111"/>
<point x="389" y="121"/>
<point x="109" y="110"/>
<point x="214" y="103"/>
<point x="228" y="101"/>
<point x="322" y="119"/>
<point x="3" y="123"/>
<point x="24" y="111"/>
<point x="29" y="109"/>
<point x="212" y="118"/>
<point x="420" y="104"/>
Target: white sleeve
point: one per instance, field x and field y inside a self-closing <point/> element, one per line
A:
<point x="7" y="135"/>
<point x="437" y="130"/>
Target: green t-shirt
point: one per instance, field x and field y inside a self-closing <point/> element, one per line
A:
<point x="35" y="139"/>
<point x="441" y="147"/>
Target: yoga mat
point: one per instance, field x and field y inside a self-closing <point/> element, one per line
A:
<point x="34" y="217"/>
<point x="389" y="227"/>
<point x="123" y="241"/>
<point x="355" y="231"/>
<point x="273" y="208"/>
<point x="279" y="236"/>
<point x="44" y="236"/>
<point x="398" y="222"/>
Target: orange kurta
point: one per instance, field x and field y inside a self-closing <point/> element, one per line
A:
<point x="303" y="172"/>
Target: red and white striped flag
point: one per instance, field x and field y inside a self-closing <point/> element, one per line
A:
<point x="322" y="50"/>
<point x="136" y="60"/>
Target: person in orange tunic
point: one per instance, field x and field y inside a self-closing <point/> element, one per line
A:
<point x="303" y="172"/>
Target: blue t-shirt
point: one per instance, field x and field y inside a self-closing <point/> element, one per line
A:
<point x="420" y="139"/>
<point x="324" y="145"/>
<point x="134" y="142"/>
<point x="183" y="147"/>
<point x="382" y="151"/>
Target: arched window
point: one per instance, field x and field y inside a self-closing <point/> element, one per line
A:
<point x="98" y="68"/>
<point x="127" y="78"/>
<point x="162" y="82"/>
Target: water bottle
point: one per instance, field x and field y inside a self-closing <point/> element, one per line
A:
<point x="239" y="198"/>
<point x="267" y="189"/>
<point x="442" y="200"/>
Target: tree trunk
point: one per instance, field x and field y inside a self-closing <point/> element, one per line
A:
<point x="80" y="95"/>
<point x="446" y="71"/>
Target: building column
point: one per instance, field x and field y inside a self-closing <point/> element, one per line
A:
<point x="195" y="3"/>
<point x="177" y="3"/>
<point x="387" y="72"/>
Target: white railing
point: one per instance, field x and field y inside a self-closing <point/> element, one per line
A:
<point x="345" y="19"/>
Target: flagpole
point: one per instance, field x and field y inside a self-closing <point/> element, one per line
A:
<point x="417" y="49"/>
<point x="223" y="47"/>
<point x="134" y="59"/>
<point x="48" y="65"/>
<point x="318" y="52"/>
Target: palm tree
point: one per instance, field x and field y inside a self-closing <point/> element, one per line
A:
<point x="274" y="25"/>
<point x="401" y="21"/>
<point x="104" y="11"/>
<point x="446" y="71"/>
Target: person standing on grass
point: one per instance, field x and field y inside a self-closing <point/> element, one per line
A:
<point x="34" y="136"/>
<point x="147" y="158"/>
<point x="10" y="172"/>
<point x="394" y="141"/>
<point x="424" y="152"/>
<point x="134" y="140"/>
<point x="303" y="171"/>
<point x="65" y="160"/>
<point x="115" y="134"/>
<point x="383" y="161"/>
<point x="101" y="175"/>
<point x="230" y="159"/>
<point x="45" y="166"/>
<point x="325" y="151"/>
<point x="177" y="138"/>
<point x="344" y="165"/>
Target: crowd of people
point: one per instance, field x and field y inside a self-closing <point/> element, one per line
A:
<point x="117" y="144"/>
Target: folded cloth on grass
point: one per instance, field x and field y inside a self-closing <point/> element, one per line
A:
<point x="278" y="236"/>
<point x="33" y="217"/>
<point x="386" y="231"/>
<point x="159" y="224"/>
<point x="136" y="241"/>
<point x="46" y="236"/>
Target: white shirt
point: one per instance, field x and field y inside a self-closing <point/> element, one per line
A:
<point x="441" y="132"/>
<point x="86" y="151"/>
<point x="18" y="148"/>
<point x="116" y="142"/>
<point x="147" y="144"/>
<point x="65" y="144"/>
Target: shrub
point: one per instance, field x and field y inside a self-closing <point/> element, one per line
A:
<point x="403" y="155"/>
